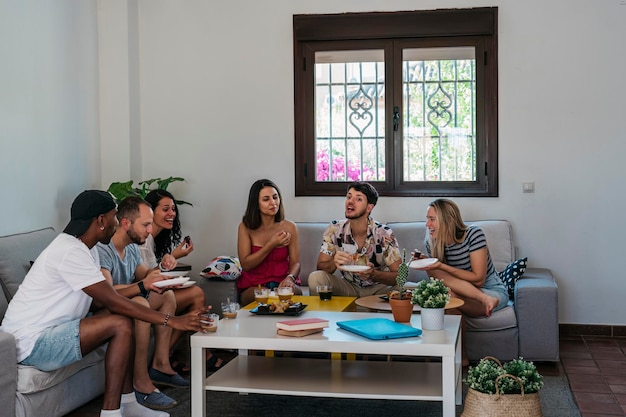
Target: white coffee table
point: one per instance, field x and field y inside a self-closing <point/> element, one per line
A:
<point x="429" y="381"/>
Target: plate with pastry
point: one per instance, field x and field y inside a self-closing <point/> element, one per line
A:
<point x="278" y="308"/>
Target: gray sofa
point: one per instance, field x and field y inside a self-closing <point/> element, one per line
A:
<point x="527" y="327"/>
<point x="25" y="391"/>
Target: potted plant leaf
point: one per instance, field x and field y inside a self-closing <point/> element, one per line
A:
<point x="121" y="190"/>
<point x="431" y="295"/>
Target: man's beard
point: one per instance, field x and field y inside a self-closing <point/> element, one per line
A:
<point x="135" y="238"/>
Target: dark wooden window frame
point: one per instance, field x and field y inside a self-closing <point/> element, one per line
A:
<point x="477" y="27"/>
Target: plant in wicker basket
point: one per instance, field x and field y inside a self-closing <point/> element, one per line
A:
<point x="511" y="389"/>
<point x="482" y="377"/>
<point x="431" y="293"/>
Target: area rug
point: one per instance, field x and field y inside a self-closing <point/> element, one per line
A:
<point x="556" y="401"/>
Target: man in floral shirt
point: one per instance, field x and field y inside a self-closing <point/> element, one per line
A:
<point x="365" y="251"/>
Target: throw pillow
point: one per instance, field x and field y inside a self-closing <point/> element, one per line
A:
<point x="226" y="267"/>
<point x="512" y="273"/>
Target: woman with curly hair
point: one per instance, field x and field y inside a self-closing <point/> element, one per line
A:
<point x="163" y="247"/>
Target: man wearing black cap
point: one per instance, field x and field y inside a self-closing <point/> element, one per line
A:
<point x="48" y="314"/>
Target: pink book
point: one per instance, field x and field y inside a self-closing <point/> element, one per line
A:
<point x="302" y="324"/>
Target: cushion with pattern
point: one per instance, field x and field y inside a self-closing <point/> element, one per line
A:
<point x="226" y="267"/>
<point x="512" y="273"/>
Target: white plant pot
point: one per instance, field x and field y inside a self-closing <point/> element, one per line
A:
<point x="432" y="318"/>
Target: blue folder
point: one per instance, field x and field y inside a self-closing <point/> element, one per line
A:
<point x="379" y="328"/>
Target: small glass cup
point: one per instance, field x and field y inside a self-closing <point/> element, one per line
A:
<point x="229" y="310"/>
<point x="261" y="295"/>
<point x="325" y="292"/>
<point x="284" y="293"/>
<point x="209" y="322"/>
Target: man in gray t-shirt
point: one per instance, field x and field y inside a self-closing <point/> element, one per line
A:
<point x="122" y="266"/>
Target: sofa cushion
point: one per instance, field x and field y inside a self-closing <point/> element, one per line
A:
<point x="31" y="379"/>
<point x="16" y="254"/>
<point x="227" y="268"/>
<point x="499" y="320"/>
<point x="512" y="273"/>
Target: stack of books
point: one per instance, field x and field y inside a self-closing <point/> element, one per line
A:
<point x="301" y="327"/>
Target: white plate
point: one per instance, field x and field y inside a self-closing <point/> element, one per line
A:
<point x="174" y="273"/>
<point x="355" y="268"/>
<point x="170" y="282"/>
<point x="187" y="284"/>
<point x="422" y="263"/>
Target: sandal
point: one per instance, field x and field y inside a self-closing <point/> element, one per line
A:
<point x="181" y="368"/>
<point x="211" y="364"/>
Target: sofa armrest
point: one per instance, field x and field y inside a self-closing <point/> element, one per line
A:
<point x="537" y="310"/>
<point x="8" y="372"/>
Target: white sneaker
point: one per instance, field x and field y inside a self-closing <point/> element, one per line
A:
<point x="134" y="409"/>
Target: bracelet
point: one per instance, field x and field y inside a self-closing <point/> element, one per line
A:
<point x="167" y="318"/>
<point x="292" y="276"/>
<point x="142" y="289"/>
<point x="160" y="265"/>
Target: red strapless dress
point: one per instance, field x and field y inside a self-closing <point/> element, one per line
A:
<point x="274" y="268"/>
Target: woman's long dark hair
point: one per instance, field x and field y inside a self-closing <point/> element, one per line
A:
<point x="252" y="217"/>
<point x="167" y="239"/>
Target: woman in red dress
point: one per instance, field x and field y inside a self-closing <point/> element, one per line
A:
<point x="267" y="244"/>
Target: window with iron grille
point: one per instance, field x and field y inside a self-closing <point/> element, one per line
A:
<point x="406" y="100"/>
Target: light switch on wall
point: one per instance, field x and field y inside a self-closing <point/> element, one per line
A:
<point x="528" y="187"/>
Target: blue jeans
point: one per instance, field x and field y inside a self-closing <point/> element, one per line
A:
<point x="56" y="347"/>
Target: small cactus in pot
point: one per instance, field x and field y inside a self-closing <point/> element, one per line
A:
<point x="403" y="275"/>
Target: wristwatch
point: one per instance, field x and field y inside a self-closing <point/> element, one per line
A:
<point x="292" y="276"/>
<point x="142" y="289"/>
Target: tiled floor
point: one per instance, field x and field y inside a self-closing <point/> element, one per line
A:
<point x="594" y="365"/>
<point x="596" y="369"/>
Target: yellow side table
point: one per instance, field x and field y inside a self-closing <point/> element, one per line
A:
<point x="314" y="303"/>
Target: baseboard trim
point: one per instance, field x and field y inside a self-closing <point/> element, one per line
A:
<point x="568" y="330"/>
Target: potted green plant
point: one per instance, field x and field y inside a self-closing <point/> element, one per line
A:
<point x="516" y="385"/>
<point x="121" y="190"/>
<point x="400" y="301"/>
<point x="431" y="295"/>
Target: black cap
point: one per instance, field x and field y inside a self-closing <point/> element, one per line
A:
<point x="87" y="206"/>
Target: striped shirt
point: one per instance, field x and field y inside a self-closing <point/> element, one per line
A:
<point x="458" y="254"/>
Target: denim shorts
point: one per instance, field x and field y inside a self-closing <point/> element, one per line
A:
<point x="56" y="347"/>
<point x="494" y="287"/>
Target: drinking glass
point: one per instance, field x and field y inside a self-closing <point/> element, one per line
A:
<point x="284" y="293"/>
<point x="325" y="292"/>
<point x="229" y="310"/>
<point x="209" y="322"/>
<point x="261" y="295"/>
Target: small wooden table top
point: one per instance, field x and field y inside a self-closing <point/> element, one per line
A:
<point x="314" y="303"/>
<point x="374" y="302"/>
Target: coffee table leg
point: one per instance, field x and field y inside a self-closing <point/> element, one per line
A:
<point x="198" y="374"/>
<point x="448" y="380"/>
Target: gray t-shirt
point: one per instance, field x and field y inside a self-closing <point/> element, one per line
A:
<point x="122" y="270"/>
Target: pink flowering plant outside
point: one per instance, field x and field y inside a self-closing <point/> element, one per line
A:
<point x="339" y="171"/>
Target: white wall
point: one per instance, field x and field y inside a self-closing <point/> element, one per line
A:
<point x="209" y="92"/>
<point x="49" y="145"/>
